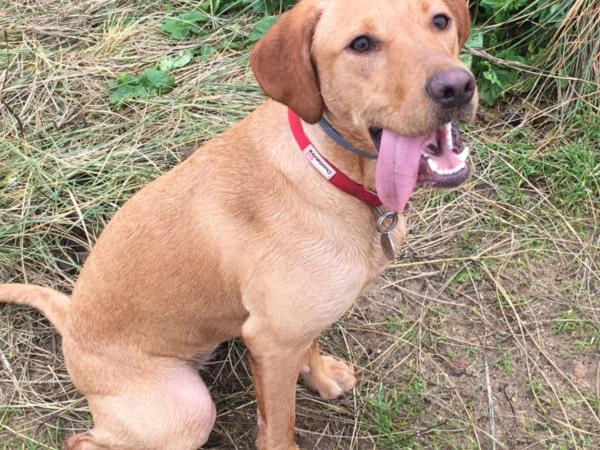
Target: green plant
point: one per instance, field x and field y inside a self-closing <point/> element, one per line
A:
<point x="270" y="6"/>
<point x="185" y="25"/>
<point x="509" y="48"/>
<point x="261" y="28"/>
<point x="150" y="82"/>
<point x="168" y="63"/>
<point x="566" y="171"/>
<point x="388" y="408"/>
<point x="191" y="24"/>
<point x="469" y="274"/>
<point x="569" y="322"/>
<point x="505" y="363"/>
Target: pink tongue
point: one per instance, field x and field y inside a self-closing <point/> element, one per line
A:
<point x="398" y="168"/>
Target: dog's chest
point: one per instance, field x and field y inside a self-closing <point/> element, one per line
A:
<point x="337" y="280"/>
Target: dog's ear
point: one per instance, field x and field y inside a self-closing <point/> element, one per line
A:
<point x="282" y="62"/>
<point x="460" y="11"/>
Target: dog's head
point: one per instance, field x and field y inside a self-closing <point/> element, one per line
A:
<point x="387" y="74"/>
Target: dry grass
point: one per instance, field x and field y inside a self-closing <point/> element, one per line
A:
<point x="484" y="334"/>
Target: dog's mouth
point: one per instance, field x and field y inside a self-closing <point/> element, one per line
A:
<point x="438" y="159"/>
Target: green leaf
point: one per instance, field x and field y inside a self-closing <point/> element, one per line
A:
<point x="121" y="95"/>
<point x="468" y="274"/>
<point x="185" y="25"/>
<point x="156" y="80"/>
<point x="210" y="6"/>
<point x="125" y="79"/>
<point x="271" y="6"/>
<point x="467" y="60"/>
<point x="194" y="17"/>
<point x="475" y="40"/>
<point x="492" y="77"/>
<point x="166" y="63"/>
<point x="206" y="51"/>
<point x="261" y="28"/>
<point x="129" y="87"/>
<point x="503" y="6"/>
<point x="494" y="81"/>
<point x="176" y="29"/>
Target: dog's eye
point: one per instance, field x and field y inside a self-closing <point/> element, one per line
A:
<point x="441" y="21"/>
<point x="362" y="44"/>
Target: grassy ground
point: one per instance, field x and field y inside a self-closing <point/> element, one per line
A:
<point x="484" y="334"/>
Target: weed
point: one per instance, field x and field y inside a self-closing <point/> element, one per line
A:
<point x="540" y="393"/>
<point x="185" y="25"/>
<point x="468" y="274"/>
<point x="260" y="29"/>
<point x="569" y="322"/>
<point x="567" y="174"/>
<point x="505" y="363"/>
<point x="151" y="82"/>
<point x="168" y="63"/>
<point x="510" y="41"/>
<point x="388" y="408"/>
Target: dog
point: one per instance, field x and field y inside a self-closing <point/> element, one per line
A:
<point x="270" y="231"/>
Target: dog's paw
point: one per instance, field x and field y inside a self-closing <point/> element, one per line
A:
<point x="331" y="378"/>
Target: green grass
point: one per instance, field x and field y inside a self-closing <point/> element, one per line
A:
<point x="562" y="167"/>
<point x="389" y="408"/>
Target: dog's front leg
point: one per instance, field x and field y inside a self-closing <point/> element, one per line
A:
<point x="328" y="376"/>
<point x="275" y="368"/>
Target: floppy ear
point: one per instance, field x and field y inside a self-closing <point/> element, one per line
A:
<point x="282" y="63"/>
<point x="460" y="11"/>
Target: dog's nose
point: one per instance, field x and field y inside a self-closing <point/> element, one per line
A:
<point x="451" y="88"/>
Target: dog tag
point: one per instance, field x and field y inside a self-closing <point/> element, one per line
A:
<point x="386" y="223"/>
<point x="388" y="246"/>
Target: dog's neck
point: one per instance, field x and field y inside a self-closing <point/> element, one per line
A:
<point x="337" y="137"/>
<point x="359" y="169"/>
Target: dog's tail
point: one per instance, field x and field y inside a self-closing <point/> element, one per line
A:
<point x="53" y="304"/>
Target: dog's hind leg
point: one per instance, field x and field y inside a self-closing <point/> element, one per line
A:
<point x="167" y="409"/>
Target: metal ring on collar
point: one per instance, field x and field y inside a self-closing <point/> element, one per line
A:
<point x="391" y="217"/>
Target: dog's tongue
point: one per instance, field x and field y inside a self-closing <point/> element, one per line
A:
<point x="398" y="168"/>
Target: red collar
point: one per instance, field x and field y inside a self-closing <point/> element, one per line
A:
<point x="327" y="169"/>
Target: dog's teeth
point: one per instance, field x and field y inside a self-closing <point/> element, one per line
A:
<point x="460" y="167"/>
<point x="433" y="165"/>
<point x="464" y="154"/>
<point x="448" y="128"/>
